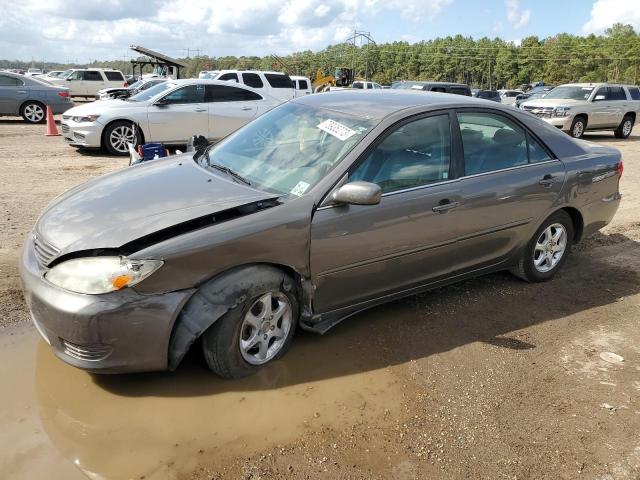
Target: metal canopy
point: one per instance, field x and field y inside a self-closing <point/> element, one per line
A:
<point x="159" y="57"/>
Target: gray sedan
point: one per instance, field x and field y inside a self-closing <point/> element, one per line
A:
<point x="323" y="207"/>
<point x="29" y="97"/>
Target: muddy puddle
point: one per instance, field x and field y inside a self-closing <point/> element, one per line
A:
<point x="57" y="421"/>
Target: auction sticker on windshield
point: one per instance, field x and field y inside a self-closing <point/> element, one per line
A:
<point x="300" y="188"/>
<point x="341" y="132"/>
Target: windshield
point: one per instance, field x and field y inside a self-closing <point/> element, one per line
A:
<point x="148" y="94"/>
<point x="570" y="93"/>
<point x="289" y="149"/>
<point x="135" y="85"/>
<point x="406" y="85"/>
<point x="65" y="74"/>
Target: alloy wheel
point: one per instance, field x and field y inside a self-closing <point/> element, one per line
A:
<point x="121" y="136"/>
<point x="265" y="328"/>
<point x="626" y="128"/>
<point x="34" y="112"/>
<point x="578" y="129"/>
<point x="550" y="247"/>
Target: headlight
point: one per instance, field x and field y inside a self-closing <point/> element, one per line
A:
<point x="85" y="119"/>
<point x="95" y="275"/>
<point x="561" y="111"/>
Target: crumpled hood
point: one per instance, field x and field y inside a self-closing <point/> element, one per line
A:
<point x="112" y="210"/>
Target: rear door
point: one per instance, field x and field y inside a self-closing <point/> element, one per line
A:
<point x="92" y="81"/>
<point x="229" y="108"/>
<point x="510" y="181"/>
<point x="179" y="115"/>
<point x="361" y="252"/>
<point x="601" y="115"/>
<point x="12" y="93"/>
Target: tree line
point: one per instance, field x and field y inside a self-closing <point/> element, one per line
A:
<point x="483" y="62"/>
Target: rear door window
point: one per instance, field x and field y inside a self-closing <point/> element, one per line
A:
<point x="278" y="80"/>
<point x="114" y="76"/>
<point x="222" y="93"/>
<point x="617" y="93"/>
<point x="303" y="85"/>
<point x="415" y="154"/>
<point x="92" y="76"/>
<point x="252" y="80"/>
<point x="491" y="142"/>
<point x="460" y="91"/>
<point x="6" y="81"/>
<point x="634" y="92"/>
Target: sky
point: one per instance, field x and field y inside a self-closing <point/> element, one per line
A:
<point x="81" y="31"/>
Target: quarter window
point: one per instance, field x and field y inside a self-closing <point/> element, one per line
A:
<point x="114" y="76"/>
<point x="252" y="80"/>
<point x="536" y="152"/>
<point x="491" y="142"/>
<point x="303" y="85"/>
<point x="221" y="93"/>
<point x="188" y="94"/>
<point x="417" y="153"/>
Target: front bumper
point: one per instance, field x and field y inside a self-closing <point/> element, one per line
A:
<point x="563" y="123"/>
<point x="117" y="332"/>
<point x="88" y="135"/>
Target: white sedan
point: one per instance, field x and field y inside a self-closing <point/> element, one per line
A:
<point x="169" y="113"/>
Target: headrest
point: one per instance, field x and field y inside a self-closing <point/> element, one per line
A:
<point x="507" y="137"/>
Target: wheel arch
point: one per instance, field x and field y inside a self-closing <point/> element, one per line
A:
<point x="632" y="115"/>
<point x="577" y="220"/>
<point x="32" y="100"/>
<point x="584" y="115"/>
<point x="111" y="122"/>
<point x="190" y="324"/>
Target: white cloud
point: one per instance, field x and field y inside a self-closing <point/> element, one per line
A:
<point x="605" y="13"/>
<point x="516" y="16"/>
<point x="83" y="30"/>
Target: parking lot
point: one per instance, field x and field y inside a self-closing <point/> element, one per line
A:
<point x="490" y="378"/>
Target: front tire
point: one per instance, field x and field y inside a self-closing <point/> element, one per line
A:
<point x="578" y="127"/>
<point x="547" y="251"/>
<point x="118" y="135"/>
<point x="625" y="127"/>
<point x="33" y="112"/>
<point x="254" y="332"/>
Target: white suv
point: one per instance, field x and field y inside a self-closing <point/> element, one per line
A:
<point x="579" y="107"/>
<point x="86" y="82"/>
<point x="275" y="84"/>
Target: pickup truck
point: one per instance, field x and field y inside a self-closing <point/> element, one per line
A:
<point x="579" y="107"/>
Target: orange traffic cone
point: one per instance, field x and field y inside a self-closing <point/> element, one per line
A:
<point x="52" y="130"/>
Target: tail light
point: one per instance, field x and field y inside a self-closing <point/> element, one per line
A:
<point x="125" y="84"/>
<point x="64" y="94"/>
<point x="620" y="169"/>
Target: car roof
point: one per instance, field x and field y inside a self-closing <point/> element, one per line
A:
<point x="428" y="82"/>
<point x="380" y="103"/>
<point x="251" y="71"/>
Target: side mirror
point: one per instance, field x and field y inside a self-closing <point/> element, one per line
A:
<point x="162" y="102"/>
<point x="599" y="98"/>
<point x="358" y="193"/>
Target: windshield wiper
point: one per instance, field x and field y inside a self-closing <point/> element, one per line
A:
<point x="229" y="172"/>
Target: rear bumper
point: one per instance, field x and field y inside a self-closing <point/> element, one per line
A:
<point x="58" y="108"/>
<point x="599" y="214"/>
<point x="118" y="332"/>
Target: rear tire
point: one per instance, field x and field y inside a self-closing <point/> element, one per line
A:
<point x="257" y="330"/>
<point x="578" y="127"/>
<point x="547" y="251"/>
<point x="625" y="127"/>
<point x="118" y="134"/>
<point x="33" y="112"/>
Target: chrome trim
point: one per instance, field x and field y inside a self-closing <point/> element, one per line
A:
<point x="420" y="187"/>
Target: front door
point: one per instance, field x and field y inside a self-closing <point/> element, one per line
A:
<point x="510" y="181"/>
<point x="363" y="252"/>
<point x="179" y="115"/>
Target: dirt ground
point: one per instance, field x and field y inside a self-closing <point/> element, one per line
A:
<point x="491" y="378"/>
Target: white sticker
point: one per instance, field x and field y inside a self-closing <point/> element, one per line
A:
<point x="300" y="188"/>
<point x="341" y="132"/>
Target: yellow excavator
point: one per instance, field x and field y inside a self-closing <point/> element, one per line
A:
<point x="343" y="77"/>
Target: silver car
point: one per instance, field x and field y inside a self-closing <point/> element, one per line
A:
<point x="169" y="113"/>
<point x="321" y="208"/>
<point x="29" y="97"/>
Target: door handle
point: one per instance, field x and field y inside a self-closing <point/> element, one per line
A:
<point x="201" y="110"/>
<point x="22" y="91"/>
<point x="444" y="206"/>
<point x="547" y="180"/>
<point x="246" y="108"/>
